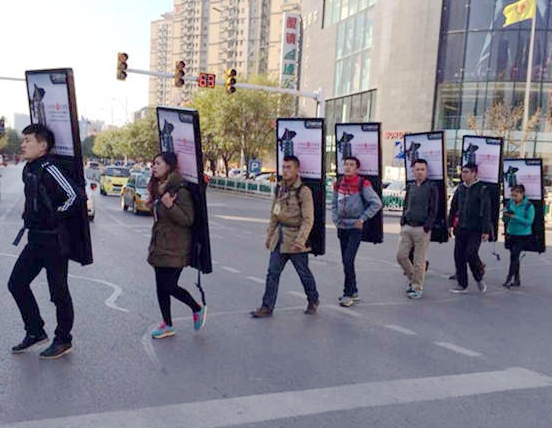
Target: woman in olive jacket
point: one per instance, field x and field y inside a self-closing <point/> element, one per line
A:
<point x="171" y="240"/>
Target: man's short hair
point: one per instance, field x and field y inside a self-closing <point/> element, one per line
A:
<point x="42" y="133"/>
<point x="354" y="159"/>
<point x="293" y="159"/>
<point x="419" y="161"/>
<point x="471" y="166"/>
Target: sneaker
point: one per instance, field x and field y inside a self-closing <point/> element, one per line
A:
<point x="262" y="312"/>
<point x="29" y="341"/>
<point x="346" y="301"/>
<point x="482" y="286"/>
<point x="55" y="350"/>
<point x="164" y="330"/>
<point x="416" y="294"/>
<point x="409" y="289"/>
<point x="200" y="318"/>
<point x="312" y="307"/>
<point x="355" y="297"/>
<point x="458" y="290"/>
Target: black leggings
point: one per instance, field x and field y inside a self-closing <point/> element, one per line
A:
<point x="518" y="243"/>
<point x="167" y="286"/>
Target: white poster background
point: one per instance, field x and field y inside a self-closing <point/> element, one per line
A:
<point x="526" y="172"/>
<point x="307" y="145"/>
<point x="430" y="148"/>
<point x="364" y="146"/>
<point x="486" y="154"/>
<point x="183" y="141"/>
<point x="49" y="105"/>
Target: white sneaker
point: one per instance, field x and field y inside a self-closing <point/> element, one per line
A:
<point x="482" y="286"/>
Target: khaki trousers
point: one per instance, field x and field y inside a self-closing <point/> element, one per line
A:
<point x="413" y="237"/>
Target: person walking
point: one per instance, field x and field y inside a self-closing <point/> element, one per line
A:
<point x="291" y="221"/>
<point x="50" y="201"/>
<point x="419" y="215"/>
<point x="354" y="202"/>
<point x="470" y="220"/>
<point x="171" y="240"/>
<point x="518" y="221"/>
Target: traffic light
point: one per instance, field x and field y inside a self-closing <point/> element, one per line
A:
<point x="122" y="59"/>
<point x="230" y="80"/>
<point x="2" y="126"/>
<point x="179" y="74"/>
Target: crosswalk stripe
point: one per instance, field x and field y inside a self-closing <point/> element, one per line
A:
<point x="256" y="409"/>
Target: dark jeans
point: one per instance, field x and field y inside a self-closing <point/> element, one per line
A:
<point x="350" y="242"/>
<point x="276" y="265"/>
<point x="32" y="259"/>
<point x="466" y="247"/>
<point x="517" y="245"/>
<point x="167" y="286"/>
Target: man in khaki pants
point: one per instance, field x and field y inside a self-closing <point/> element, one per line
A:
<point x="419" y="214"/>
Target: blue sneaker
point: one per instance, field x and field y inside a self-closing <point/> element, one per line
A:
<point x="415" y="294"/>
<point x="162" y="331"/>
<point x="409" y="289"/>
<point x="200" y="318"/>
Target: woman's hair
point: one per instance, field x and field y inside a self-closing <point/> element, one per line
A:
<point x="518" y="188"/>
<point x="153" y="185"/>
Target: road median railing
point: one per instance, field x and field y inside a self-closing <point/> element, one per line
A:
<point x="240" y="185"/>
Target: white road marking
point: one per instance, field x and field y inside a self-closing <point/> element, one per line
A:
<point x="110" y="301"/>
<point x="458" y="349"/>
<point x="400" y="329"/>
<point x="256" y="409"/>
<point x="229" y="269"/>
<point x="248" y="219"/>
<point x="255" y="279"/>
<point x="345" y="311"/>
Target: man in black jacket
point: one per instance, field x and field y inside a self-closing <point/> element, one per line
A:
<point x="50" y="200"/>
<point x="419" y="214"/>
<point x="470" y="219"/>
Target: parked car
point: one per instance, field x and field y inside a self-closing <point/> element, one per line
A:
<point x="113" y="179"/>
<point x="266" y="177"/>
<point x="236" y="173"/>
<point x="90" y="202"/>
<point x="135" y="194"/>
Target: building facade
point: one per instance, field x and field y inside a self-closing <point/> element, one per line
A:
<point x="424" y="65"/>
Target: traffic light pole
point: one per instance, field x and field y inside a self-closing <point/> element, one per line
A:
<point x="318" y="96"/>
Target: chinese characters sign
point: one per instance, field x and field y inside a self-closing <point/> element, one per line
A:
<point x="290" y="45"/>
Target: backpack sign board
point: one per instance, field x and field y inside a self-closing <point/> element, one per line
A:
<point x="305" y="139"/>
<point x="486" y="153"/>
<point x="52" y="102"/>
<point x="363" y="141"/>
<point x="431" y="147"/>
<point x="529" y="173"/>
<point x="179" y="133"/>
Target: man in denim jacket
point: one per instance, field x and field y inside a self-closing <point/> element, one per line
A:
<point x="354" y="202"/>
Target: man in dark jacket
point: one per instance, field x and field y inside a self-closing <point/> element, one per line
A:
<point x="50" y="199"/>
<point x="470" y="219"/>
<point x="419" y="214"/>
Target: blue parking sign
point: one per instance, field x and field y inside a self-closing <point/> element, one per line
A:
<point x="254" y="166"/>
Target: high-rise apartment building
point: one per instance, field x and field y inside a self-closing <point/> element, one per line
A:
<point x="161" y="58"/>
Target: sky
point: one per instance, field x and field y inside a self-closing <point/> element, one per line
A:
<point x="84" y="35"/>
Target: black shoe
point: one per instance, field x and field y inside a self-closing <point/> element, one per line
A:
<point x="29" y="341"/>
<point x="313" y="306"/>
<point x="516" y="283"/>
<point x="262" y="312"/>
<point x="509" y="282"/>
<point x="55" y="350"/>
<point x="452" y="277"/>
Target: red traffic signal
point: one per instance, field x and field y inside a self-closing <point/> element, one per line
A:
<point x="230" y="80"/>
<point x="179" y="73"/>
<point x="206" y="80"/>
<point x="122" y="66"/>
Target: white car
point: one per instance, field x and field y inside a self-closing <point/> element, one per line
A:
<point x="90" y="202"/>
<point x="393" y="195"/>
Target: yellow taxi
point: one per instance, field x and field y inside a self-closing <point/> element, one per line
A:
<point x="113" y="179"/>
<point x="135" y="194"/>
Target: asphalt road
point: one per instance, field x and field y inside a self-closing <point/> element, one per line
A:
<point x="442" y="361"/>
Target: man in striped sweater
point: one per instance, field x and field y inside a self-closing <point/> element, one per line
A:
<point x="50" y="200"/>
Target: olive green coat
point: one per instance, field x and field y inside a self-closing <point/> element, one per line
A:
<point x="292" y="216"/>
<point x="171" y="235"/>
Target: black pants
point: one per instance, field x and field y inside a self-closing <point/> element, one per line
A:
<point x="349" y="239"/>
<point x="32" y="259"/>
<point x="517" y="245"/>
<point x="167" y="286"/>
<point x="466" y="248"/>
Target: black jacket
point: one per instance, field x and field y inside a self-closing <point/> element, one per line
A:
<point x="50" y="197"/>
<point x="471" y="205"/>
<point x="421" y="205"/>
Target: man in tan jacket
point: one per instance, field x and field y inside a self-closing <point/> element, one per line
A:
<point x="291" y="221"/>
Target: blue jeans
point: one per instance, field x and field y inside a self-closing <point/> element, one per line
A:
<point x="276" y="265"/>
<point x="350" y="241"/>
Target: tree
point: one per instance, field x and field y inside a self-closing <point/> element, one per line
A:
<point x="241" y="121"/>
<point x="87" y="145"/>
<point x="10" y="142"/>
